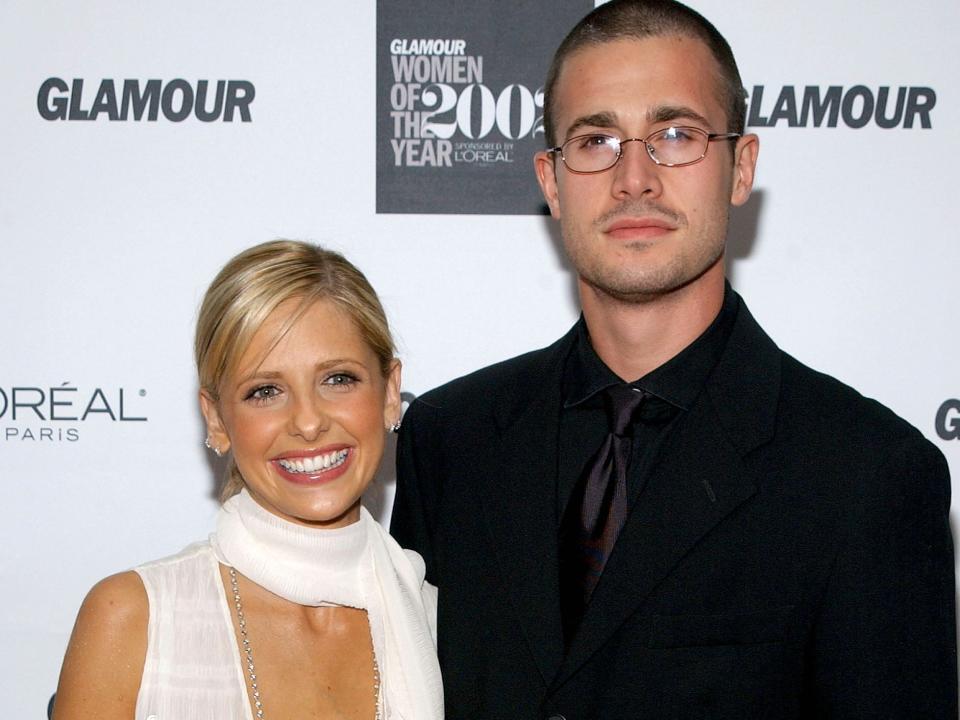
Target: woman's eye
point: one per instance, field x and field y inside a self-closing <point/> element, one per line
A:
<point x="263" y="392"/>
<point x="340" y="379"/>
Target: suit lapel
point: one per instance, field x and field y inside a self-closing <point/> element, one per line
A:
<point x="518" y="498"/>
<point x="698" y="480"/>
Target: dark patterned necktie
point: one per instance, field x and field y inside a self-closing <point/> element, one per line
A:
<point x="597" y="509"/>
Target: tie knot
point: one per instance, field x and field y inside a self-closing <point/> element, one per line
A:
<point x="622" y="403"/>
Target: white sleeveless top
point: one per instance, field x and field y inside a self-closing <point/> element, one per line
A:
<point x="193" y="668"/>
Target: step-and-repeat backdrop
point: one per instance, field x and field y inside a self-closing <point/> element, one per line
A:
<point x="145" y="143"/>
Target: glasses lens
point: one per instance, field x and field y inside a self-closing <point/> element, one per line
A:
<point x="591" y="153"/>
<point x="678" y="145"/>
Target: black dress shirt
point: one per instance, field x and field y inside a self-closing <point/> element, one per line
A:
<point x="583" y="419"/>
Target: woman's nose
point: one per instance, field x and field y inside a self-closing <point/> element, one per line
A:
<point x="308" y="419"/>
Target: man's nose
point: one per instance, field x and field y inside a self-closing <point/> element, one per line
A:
<point x="635" y="173"/>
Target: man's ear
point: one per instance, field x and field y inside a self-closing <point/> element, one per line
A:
<point x="744" y="168"/>
<point x="544" y="164"/>
<point x="216" y="432"/>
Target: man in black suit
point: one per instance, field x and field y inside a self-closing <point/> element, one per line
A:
<point x="749" y="538"/>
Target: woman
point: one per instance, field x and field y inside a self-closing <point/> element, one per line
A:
<point x="299" y="605"/>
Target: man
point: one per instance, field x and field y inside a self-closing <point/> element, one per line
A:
<point x="662" y="515"/>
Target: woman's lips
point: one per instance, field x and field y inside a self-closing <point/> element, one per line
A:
<point x="307" y="467"/>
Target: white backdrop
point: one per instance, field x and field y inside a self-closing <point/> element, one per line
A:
<point x="110" y="231"/>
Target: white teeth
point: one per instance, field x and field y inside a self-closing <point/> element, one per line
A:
<point x="317" y="463"/>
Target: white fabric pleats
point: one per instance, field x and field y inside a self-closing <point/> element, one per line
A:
<point x="193" y="668"/>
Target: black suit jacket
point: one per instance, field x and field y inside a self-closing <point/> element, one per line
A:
<point x="790" y="556"/>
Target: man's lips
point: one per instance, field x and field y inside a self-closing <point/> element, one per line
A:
<point x="631" y="228"/>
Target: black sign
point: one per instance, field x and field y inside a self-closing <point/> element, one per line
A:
<point x="460" y="102"/>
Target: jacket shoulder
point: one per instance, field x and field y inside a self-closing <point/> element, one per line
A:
<point x="834" y="404"/>
<point x="502" y="381"/>
<point x="758" y="379"/>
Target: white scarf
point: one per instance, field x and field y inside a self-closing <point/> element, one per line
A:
<point x="359" y="566"/>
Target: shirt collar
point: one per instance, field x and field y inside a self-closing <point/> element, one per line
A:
<point x="678" y="381"/>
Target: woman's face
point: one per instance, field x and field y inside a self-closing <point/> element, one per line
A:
<point x="306" y="415"/>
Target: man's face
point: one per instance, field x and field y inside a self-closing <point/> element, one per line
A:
<point x="639" y="230"/>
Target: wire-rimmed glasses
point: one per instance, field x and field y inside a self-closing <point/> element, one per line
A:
<point x="674" y="146"/>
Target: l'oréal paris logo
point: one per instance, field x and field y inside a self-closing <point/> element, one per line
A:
<point x="138" y="100"/>
<point x="31" y="413"/>
<point x="854" y="107"/>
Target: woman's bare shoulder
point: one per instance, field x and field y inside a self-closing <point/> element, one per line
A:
<point x="105" y="657"/>
<point x="119" y="600"/>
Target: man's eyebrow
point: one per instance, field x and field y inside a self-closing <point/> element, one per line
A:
<point x="669" y="113"/>
<point x="659" y="114"/>
<point x="598" y="120"/>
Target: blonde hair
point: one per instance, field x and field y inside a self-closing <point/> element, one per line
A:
<point x="251" y="286"/>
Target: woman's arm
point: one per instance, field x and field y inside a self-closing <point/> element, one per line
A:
<point x="103" y="665"/>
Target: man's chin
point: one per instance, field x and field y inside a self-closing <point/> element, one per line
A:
<point x="627" y="291"/>
<point x="641" y="288"/>
<point x="636" y="284"/>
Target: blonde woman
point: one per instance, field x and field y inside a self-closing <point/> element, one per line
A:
<point x="299" y="604"/>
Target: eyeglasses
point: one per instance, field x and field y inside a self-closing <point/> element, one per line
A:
<point x="670" y="147"/>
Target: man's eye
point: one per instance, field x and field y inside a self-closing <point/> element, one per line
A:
<point x="595" y="142"/>
<point x="676" y="135"/>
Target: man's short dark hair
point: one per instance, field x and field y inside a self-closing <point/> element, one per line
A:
<point x="639" y="19"/>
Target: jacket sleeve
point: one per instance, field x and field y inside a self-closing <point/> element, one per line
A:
<point x="419" y="484"/>
<point x="884" y="643"/>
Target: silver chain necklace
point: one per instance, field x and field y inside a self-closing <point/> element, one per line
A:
<point x="248" y="651"/>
